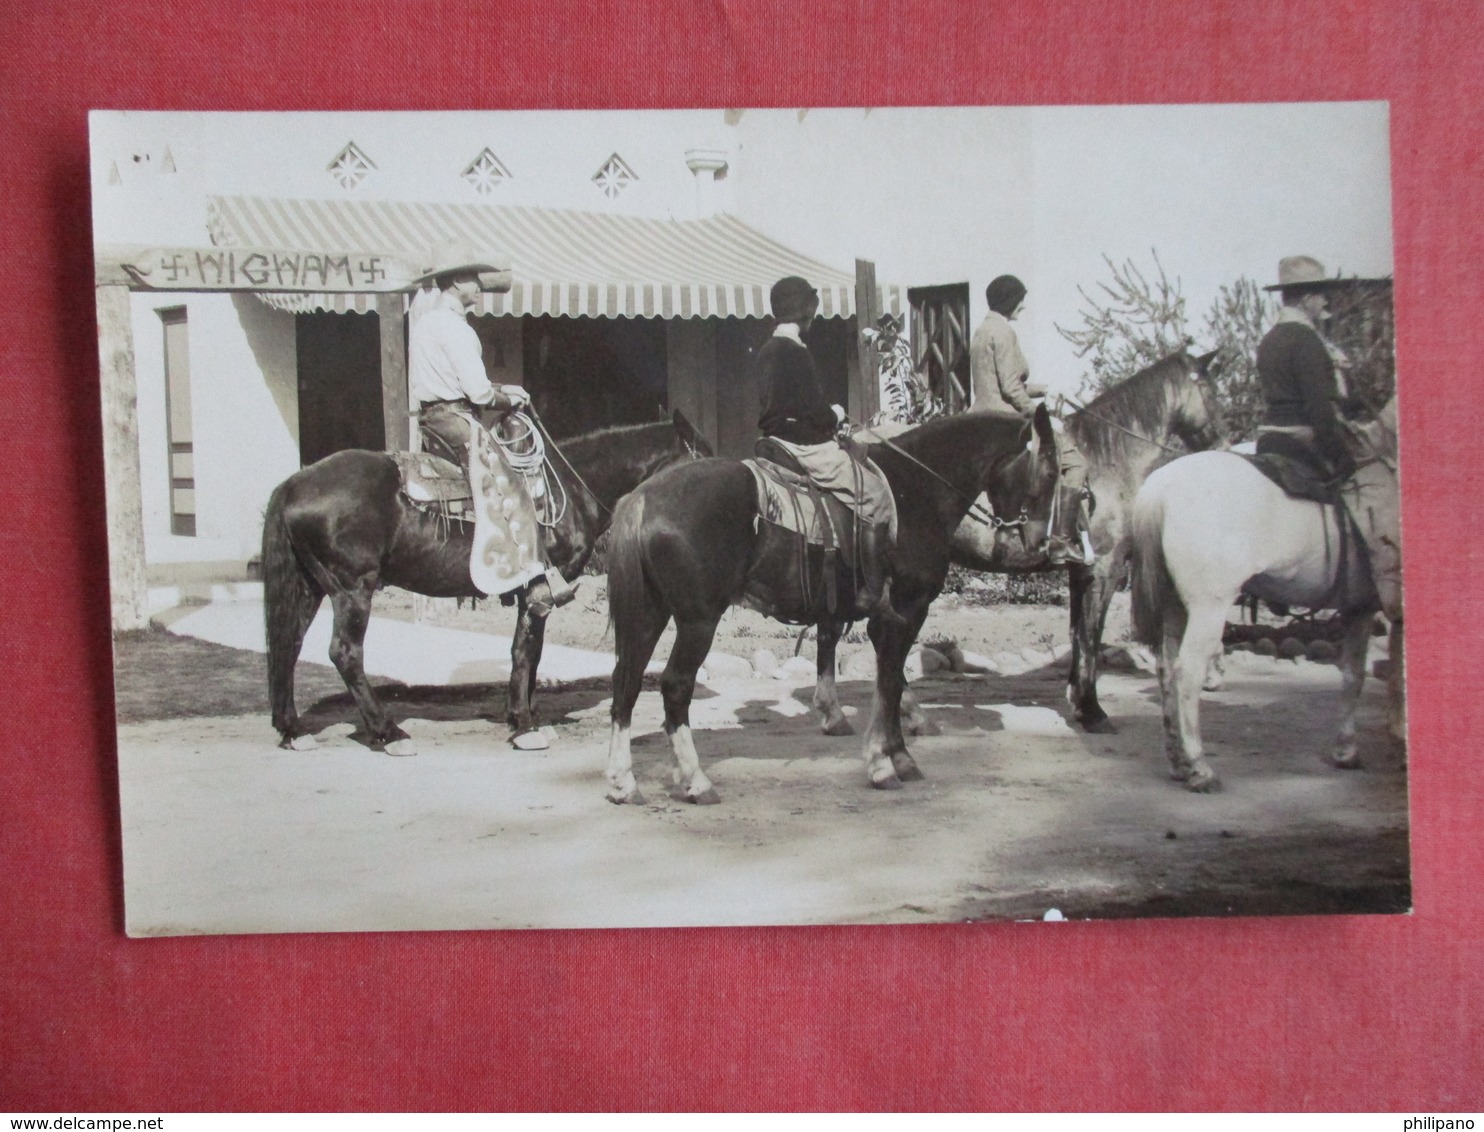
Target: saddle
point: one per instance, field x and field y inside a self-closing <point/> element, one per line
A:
<point x="804" y="534"/>
<point x="433" y="481"/>
<point x="1296" y="474"/>
<point x="1289" y="464"/>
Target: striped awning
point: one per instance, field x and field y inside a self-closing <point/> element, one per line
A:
<point x="562" y="262"/>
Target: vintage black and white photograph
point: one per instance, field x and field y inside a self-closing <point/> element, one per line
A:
<point x="752" y="517"/>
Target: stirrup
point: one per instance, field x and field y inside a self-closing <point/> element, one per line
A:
<point x="1066" y="554"/>
<point x="562" y="591"/>
<point x="543" y="596"/>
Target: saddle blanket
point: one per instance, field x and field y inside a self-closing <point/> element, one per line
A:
<point x="785" y="499"/>
<point x="1358" y="585"/>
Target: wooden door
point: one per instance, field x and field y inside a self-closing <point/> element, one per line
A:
<point x="340" y="396"/>
<point x="940" y="341"/>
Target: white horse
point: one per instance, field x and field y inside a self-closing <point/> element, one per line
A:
<point x="1210" y="527"/>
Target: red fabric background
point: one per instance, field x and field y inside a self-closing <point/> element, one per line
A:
<point x="1333" y="1013"/>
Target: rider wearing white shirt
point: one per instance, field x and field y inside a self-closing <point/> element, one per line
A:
<point x="445" y="362"/>
<point x="446" y="376"/>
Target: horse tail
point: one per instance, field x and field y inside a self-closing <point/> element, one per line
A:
<point x="290" y="600"/>
<point x="626" y="560"/>
<point x="628" y="598"/>
<point x="1153" y="588"/>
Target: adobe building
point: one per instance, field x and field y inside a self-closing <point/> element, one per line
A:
<point x="254" y="274"/>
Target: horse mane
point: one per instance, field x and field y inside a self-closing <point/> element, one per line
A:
<point x="942" y="442"/>
<point x="1137" y="403"/>
<point x="607" y="448"/>
<point x="613" y="432"/>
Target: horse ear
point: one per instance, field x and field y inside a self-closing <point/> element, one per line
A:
<point x="1045" y="435"/>
<point x="689" y="433"/>
<point x="1203" y="365"/>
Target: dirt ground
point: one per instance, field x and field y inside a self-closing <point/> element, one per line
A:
<point x="1019" y="814"/>
<point x="584" y="624"/>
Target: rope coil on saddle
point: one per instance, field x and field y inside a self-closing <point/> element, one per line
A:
<point x="526" y="454"/>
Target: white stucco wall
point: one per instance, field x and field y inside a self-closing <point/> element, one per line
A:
<point x="418" y="157"/>
<point x="244" y="418"/>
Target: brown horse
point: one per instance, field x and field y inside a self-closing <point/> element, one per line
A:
<point x="686" y="545"/>
<point x="342" y="528"/>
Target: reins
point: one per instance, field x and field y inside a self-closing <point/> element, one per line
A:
<point x="977" y="513"/>
<point x="1127" y="431"/>
<point x="552" y="444"/>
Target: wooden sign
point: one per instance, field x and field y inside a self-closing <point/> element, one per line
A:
<point x="264" y="269"/>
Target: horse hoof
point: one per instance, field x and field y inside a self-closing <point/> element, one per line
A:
<point x="535" y="740"/>
<point x="401" y="748"/>
<point x="841" y="726"/>
<point x="890" y="782"/>
<point x="1203" y="782"/>
<point x="910" y="773"/>
<point x="300" y="743"/>
<point x="924" y="730"/>
<point x="633" y="798"/>
<point x="707" y="797"/>
<point x="1103" y="726"/>
<point x="1345" y="762"/>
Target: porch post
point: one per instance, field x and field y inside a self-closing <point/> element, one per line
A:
<point x="394" y="409"/>
<point x="128" y="587"/>
<point x="865" y="386"/>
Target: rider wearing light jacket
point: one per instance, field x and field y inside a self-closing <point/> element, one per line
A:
<point x="998" y="372"/>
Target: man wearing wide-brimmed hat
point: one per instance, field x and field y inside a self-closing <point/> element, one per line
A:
<point x="447" y="379"/>
<point x="1296" y="372"/>
<point x="445" y="363"/>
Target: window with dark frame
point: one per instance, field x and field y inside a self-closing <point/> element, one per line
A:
<point x="178" y="422"/>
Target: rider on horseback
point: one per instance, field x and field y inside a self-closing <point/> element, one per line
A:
<point x="447" y="379"/>
<point x="998" y="373"/>
<point x="797" y="417"/>
<point x="1299" y="380"/>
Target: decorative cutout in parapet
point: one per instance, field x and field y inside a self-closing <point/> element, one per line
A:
<point x="485" y="173"/>
<point x="351" y="166"/>
<point x="614" y="176"/>
<point x="140" y="163"/>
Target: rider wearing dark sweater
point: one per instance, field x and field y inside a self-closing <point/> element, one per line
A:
<point x="797" y="416"/>
<point x="1296" y="372"/>
<point x="794" y="406"/>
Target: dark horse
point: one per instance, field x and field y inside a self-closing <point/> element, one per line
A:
<point x="684" y="544"/>
<point x="342" y="527"/>
<point x="1155" y="416"/>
